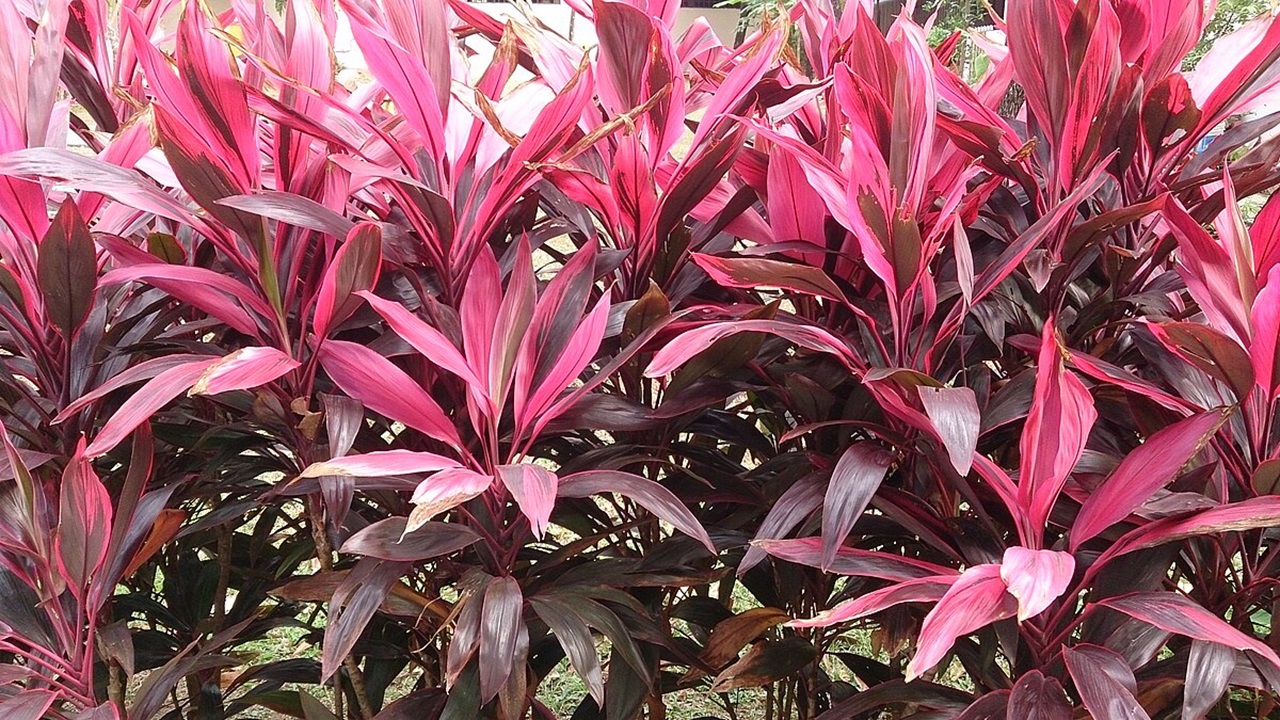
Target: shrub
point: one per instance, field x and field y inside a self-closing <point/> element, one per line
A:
<point x="701" y="369"/>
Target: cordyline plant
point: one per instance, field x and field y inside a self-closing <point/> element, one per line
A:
<point x="785" y="380"/>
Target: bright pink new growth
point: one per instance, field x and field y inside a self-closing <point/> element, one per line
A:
<point x="444" y="491"/>
<point x="1036" y="577"/>
<point x="976" y="599"/>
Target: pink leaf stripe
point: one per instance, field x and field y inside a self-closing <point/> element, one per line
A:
<point x="1148" y="468"/>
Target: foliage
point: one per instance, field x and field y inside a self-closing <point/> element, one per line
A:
<point x="672" y="362"/>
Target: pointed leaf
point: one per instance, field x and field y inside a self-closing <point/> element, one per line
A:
<point x="380" y="464"/>
<point x="354" y="268"/>
<point x="155" y="394"/>
<point x="854" y="481"/>
<point x="1209" y="669"/>
<point x="1177" y="614"/>
<point x="1036" y="697"/>
<point x="443" y="491"/>
<point x="1053" y="439"/>
<point x="647" y="493"/>
<point x="384" y="388"/>
<point x="1148" y="468"/>
<point x="1094" y="671"/>
<point x="501" y="632"/>
<point x="388" y="540"/>
<point x="244" y="369"/>
<point x="68" y="269"/>
<point x="534" y="490"/>
<point x="976" y="599"/>
<point x="84" y="525"/>
<point x="926" y="589"/>
<point x="955" y="416"/>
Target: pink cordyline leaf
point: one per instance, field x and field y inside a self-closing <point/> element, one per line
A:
<point x="384" y="388"/>
<point x="1248" y="514"/>
<point x="404" y="77"/>
<point x="1240" y="67"/>
<point x="955" y="417"/>
<point x="854" y="481"/>
<point x="1036" y="577"/>
<point x="976" y="599"/>
<point x="1178" y="614"/>
<point x="243" y="369"/>
<point x="1037" y="48"/>
<point x="354" y="269"/>
<point x="214" y="293"/>
<point x="84" y="524"/>
<point x="681" y="349"/>
<point x="534" y="490"/>
<point x="444" y="491"/>
<point x="1210" y="274"/>
<point x="425" y="339"/>
<point x="142" y="371"/>
<point x="926" y="589"/>
<point x="1265" y="350"/>
<point x="155" y="394"/>
<point x="379" y="464"/>
<point x="1057" y="427"/>
<point x="1148" y="468"/>
<point x="1264" y="235"/>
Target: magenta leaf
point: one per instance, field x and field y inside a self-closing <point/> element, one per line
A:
<point x="1177" y="614"/>
<point x="354" y="269"/>
<point x="444" y="491"/>
<point x="534" y="490"/>
<point x="679" y="351"/>
<point x="1057" y="427"/>
<point x="425" y="339"/>
<point x="926" y="589"/>
<point x="155" y="394"/>
<point x="384" y="388"/>
<point x="976" y="599"/>
<point x="380" y="463"/>
<point x="243" y="369"/>
<point x="1148" y="468"/>
<point x="1036" y="577"/>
